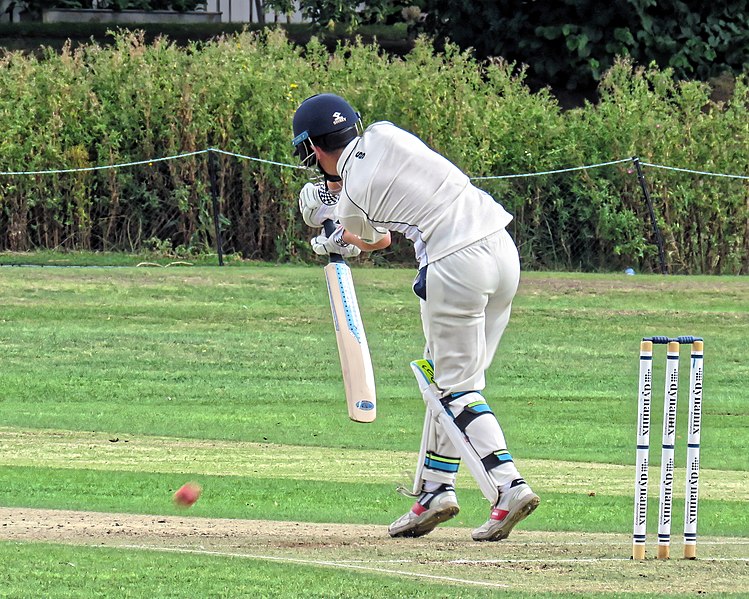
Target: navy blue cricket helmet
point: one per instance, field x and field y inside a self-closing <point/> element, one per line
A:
<point x="326" y="121"/>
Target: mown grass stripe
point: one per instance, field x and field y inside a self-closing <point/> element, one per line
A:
<point x="320" y="563"/>
<point x="166" y="455"/>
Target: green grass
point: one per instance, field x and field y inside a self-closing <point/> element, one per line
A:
<point x="44" y="258"/>
<point x="247" y="353"/>
<point x="102" y="572"/>
<point x="118" y="384"/>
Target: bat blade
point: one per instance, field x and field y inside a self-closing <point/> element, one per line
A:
<point x="356" y="363"/>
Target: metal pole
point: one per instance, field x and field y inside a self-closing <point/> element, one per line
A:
<point x="212" y="167"/>
<point x="648" y="201"/>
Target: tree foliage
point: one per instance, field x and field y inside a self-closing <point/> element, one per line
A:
<point x="571" y="43"/>
<point x="133" y="101"/>
<point x="326" y="14"/>
<point x="36" y="6"/>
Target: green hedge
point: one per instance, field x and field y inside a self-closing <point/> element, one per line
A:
<point x="133" y="100"/>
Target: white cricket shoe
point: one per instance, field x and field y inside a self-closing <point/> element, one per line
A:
<point x="431" y="509"/>
<point x="513" y="506"/>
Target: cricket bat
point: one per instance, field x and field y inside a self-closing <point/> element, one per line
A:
<point x="356" y="363"/>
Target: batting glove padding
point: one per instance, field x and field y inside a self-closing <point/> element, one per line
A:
<point x="334" y="245"/>
<point x="317" y="204"/>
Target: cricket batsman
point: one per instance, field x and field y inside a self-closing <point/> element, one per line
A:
<point x="385" y="179"/>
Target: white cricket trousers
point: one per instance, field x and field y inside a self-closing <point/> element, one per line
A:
<point x="468" y="302"/>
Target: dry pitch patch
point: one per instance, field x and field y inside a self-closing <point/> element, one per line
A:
<point x="528" y="561"/>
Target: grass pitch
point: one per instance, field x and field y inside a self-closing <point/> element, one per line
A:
<point x="118" y="385"/>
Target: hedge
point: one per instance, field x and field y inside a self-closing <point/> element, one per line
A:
<point x="130" y="101"/>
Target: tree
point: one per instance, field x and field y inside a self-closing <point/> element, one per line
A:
<point x="571" y="43"/>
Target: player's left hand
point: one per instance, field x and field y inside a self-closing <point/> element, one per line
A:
<point x="334" y="244"/>
<point x="317" y="204"/>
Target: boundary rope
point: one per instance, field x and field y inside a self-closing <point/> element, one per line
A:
<point x="103" y="167"/>
<point x="686" y="170"/>
<point x="298" y="167"/>
<point x="561" y="170"/>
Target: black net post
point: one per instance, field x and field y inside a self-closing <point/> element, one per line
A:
<point x="212" y="169"/>
<point x="654" y="222"/>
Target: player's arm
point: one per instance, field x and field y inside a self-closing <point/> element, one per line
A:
<point x="317" y="203"/>
<point x="361" y="233"/>
<point x="380" y="244"/>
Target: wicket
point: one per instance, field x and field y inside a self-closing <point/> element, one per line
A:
<point x="667" y="451"/>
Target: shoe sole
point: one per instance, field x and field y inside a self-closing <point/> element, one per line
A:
<point x="520" y="512"/>
<point x="429" y="523"/>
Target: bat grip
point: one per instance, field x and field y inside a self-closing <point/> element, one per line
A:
<point x="329" y="228"/>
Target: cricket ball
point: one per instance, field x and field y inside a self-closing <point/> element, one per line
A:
<point x="187" y="494"/>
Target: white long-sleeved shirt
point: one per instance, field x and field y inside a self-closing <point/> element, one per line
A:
<point x="393" y="181"/>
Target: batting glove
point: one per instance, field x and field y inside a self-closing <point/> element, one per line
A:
<point x="334" y="244"/>
<point x="317" y="204"/>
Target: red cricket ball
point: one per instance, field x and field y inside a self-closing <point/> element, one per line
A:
<point x="187" y="494"/>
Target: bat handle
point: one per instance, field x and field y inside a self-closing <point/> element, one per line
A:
<point x="329" y="228"/>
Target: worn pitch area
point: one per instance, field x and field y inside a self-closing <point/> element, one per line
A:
<point x="528" y="561"/>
